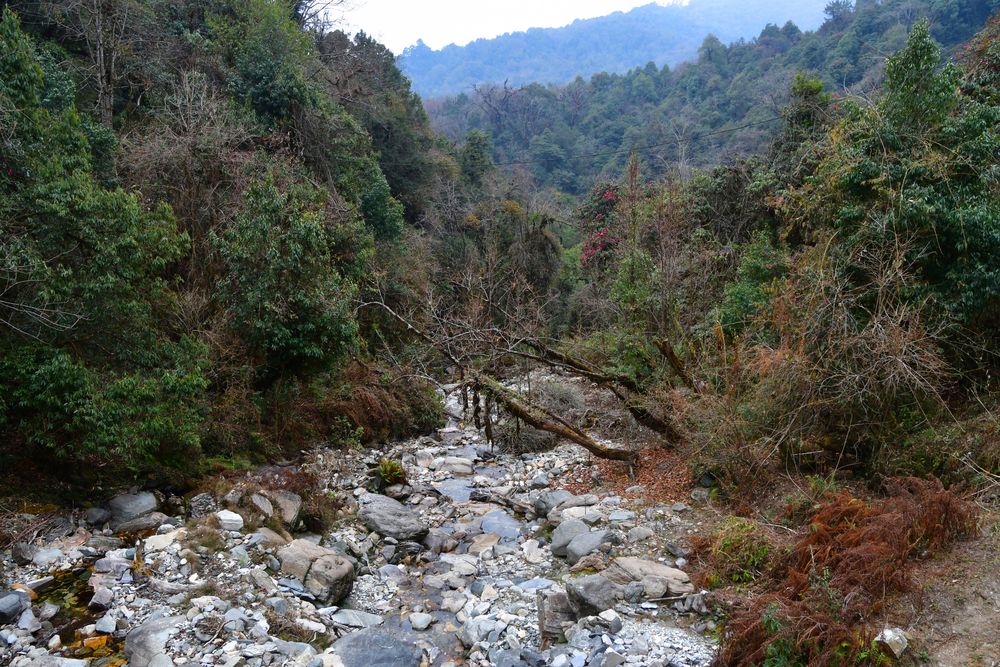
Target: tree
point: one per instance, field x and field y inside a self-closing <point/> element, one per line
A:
<point x="476" y="158"/>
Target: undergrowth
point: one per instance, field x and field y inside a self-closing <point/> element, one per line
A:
<point x="836" y="578"/>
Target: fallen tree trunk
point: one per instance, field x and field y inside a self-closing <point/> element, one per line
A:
<point x="544" y="420"/>
<point x="623" y="387"/>
<point x="676" y="365"/>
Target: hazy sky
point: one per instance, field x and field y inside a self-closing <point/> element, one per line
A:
<point x="400" y="23"/>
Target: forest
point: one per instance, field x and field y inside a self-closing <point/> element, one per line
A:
<point x="723" y="104"/>
<point x="231" y="236"/>
<point x="664" y="33"/>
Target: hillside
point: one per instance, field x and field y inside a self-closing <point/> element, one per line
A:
<point x="721" y="104"/>
<point x="665" y="35"/>
<point x="289" y="378"/>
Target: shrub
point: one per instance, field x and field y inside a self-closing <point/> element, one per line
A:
<point x="740" y="551"/>
<point x="838" y="573"/>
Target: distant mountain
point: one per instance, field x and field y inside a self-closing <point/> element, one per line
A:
<point x="665" y="35"/>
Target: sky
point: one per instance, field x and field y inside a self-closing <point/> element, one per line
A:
<point x="400" y="23"/>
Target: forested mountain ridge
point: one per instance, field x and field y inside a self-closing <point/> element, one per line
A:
<point x="664" y="34"/>
<point x="723" y="103"/>
<point x="286" y="377"/>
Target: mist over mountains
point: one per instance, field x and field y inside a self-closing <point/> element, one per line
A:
<point x="664" y="34"/>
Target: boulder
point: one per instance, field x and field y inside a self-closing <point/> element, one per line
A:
<point x="353" y="618"/>
<point x="149" y="640"/>
<point x="586" y="543"/>
<point x="330" y="578"/>
<point x="150" y="521"/>
<point x="546" y="502"/>
<point x="657" y="579"/>
<point x="374" y="647"/>
<point x="229" y="520"/>
<point x="289" y="505"/>
<point x="23" y="553"/>
<point x="326" y="574"/>
<point x="130" y="506"/>
<point x="261" y="505"/>
<point x="592" y="594"/>
<point x="555" y="614"/>
<point x="390" y="518"/>
<point x="97" y="516"/>
<point x="564" y="534"/>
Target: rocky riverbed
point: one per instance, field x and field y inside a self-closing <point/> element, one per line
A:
<point x="475" y="558"/>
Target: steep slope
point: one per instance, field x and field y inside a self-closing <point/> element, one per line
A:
<point x="665" y="35"/>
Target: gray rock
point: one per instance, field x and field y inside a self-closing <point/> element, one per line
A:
<point x="639" y="534"/>
<point x="421" y="621"/>
<point x="229" y="520"/>
<point x="150" y="521"/>
<point x="657" y="579"/>
<point x="55" y="661"/>
<point x="353" y="618"/>
<point x="539" y="481"/>
<point x="330" y="578"/>
<point x="289" y="505"/>
<point x="586" y="543"/>
<point x="326" y="574"/>
<point x="261" y="504"/>
<point x="106" y="624"/>
<point x="97" y="516"/>
<point x="45" y="557"/>
<point x="161" y="660"/>
<point x="376" y="648"/>
<point x="28" y="622"/>
<point x="546" y="502"/>
<point x="894" y="640"/>
<point x="23" y="553"/>
<point x="201" y="505"/>
<point x="103" y="597"/>
<point x="591" y="594"/>
<point x="555" y="614"/>
<point x="564" y="534"/>
<point x="130" y="506"/>
<point x="148" y="640"/>
<point x="390" y="518"/>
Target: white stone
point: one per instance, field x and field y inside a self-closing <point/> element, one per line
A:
<point x="229" y="520"/>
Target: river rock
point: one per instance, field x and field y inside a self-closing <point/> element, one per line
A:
<point x="591" y="594"/>
<point x="150" y="521"/>
<point x="261" y="504"/>
<point x="23" y="553"/>
<point x="555" y="614"/>
<point x="390" y="518"/>
<point x="548" y="501"/>
<point x="376" y="648"/>
<point x="130" y="506"/>
<point x="97" y="516"/>
<point x="586" y="543"/>
<point x="148" y="640"/>
<point x="229" y="520"/>
<point x="420" y="621"/>
<point x="564" y="534"/>
<point x="354" y="618"/>
<point x="330" y="578"/>
<point x="324" y="572"/>
<point x="289" y="505"/>
<point x="657" y="579"/>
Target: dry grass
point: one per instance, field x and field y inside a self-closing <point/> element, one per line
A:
<point x="838" y="575"/>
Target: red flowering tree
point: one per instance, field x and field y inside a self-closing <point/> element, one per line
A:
<point x="598" y="220"/>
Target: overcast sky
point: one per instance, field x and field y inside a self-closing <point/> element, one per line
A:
<point x="400" y="23"/>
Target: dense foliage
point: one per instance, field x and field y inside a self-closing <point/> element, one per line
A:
<point x="722" y="104"/>
<point x="666" y="34"/>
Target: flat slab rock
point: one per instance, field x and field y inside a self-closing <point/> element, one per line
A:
<point x="390" y="518"/>
<point x="657" y="579"/>
<point x="376" y="648"/>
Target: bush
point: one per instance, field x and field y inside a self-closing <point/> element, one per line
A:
<point x="739" y="550"/>
<point x="837" y="575"/>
